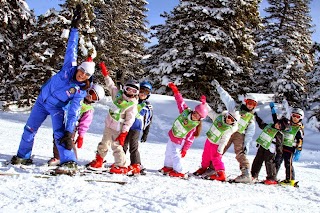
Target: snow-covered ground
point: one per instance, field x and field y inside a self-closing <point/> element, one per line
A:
<point x="153" y="192"/>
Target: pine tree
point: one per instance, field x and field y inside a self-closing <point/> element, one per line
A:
<point x="120" y="39"/>
<point x="205" y="40"/>
<point x="314" y="83"/>
<point x="17" y="22"/>
<point x="284" y="51"/>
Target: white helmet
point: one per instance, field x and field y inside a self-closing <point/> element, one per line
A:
<point x="98" y="90"/>
<point x="234" y="114"/>
<point x="251" y="97"/>
<point x="298" y="111"/>
<point x="87" y="67"/>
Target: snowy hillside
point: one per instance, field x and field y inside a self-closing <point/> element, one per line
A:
<point x="153" y="192"/>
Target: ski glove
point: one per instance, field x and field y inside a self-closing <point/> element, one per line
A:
<point x="173" y="87"/>
<point x="296" y="155"/>
<point x="183" y="153"/>
<point x="67" y="140"/>
<point x="79" y="141"/>
<point x="76" y="17"/>
<point x="104" y="69"/>
<point x="273" y="108"/>
<point x="121" y="138"/>
<point x="215" y="83"/>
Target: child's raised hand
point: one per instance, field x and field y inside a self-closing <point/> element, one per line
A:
<point x="173" y="87"/>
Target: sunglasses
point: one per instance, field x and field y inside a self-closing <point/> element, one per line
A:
<point x="144" y="91"/>
<point x="296" y="116"/>
<point x="231" y="118"/>
<point x="93" y="95"/>
<point x="131" y="90"/>
<point x="82" y="70"/>
<point x="251" y="102"/>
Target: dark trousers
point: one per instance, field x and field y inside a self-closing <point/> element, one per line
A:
<point x="287" y="157"/>
<point x="268" y="158"/>
<point x="132" y="141"/>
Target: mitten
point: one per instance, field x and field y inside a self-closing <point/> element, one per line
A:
<point x="173" y="88"/>
<point x="76" y="17"/>
<point x="79" y="141"/>
<point x="273" y="108"/>
<point x="121" y="138"/>
<point x="67" y="141"/>
<point x="215" y="83"/>
<point x="104" y="69"/>
<point x="183" y="153"/>
<point x="296" y="155"/>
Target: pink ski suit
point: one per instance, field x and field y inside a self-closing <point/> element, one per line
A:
<point x="213" y="152"/>
<point x="175" y="145"/>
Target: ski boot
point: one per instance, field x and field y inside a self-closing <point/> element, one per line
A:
<point x="134" y="169"/>
<point x="96" y="164"/>
<point x="270" y="182"/>
<point x="178" y="174"/>
<point x="245" y="177"/>
<point x="218" y="175"/>
<point x="15" y="160"/>
<point x="200" y="171"/>
<point x="53" y="162"/>
<point x="118" y="170"/>
<point x="67" y="168"/>
<point x="165" y="170"/>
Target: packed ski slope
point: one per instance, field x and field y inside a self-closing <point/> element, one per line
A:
<point x="153" y="192"/>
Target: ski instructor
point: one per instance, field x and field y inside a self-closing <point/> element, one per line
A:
<point x="68" y="85"/>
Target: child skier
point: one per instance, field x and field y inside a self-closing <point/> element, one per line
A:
<point x="224" y="125"/>
<point x="242" y="138"/>
<point x="184" y="130"/>
<point x="120" y="118"/>
<point x="270" y="142"/>
<point x="142" y="123"/>
<point x="292" y="144"/>
<point x="94" y="94"/>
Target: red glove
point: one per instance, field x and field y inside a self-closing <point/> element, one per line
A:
<point x="183" y="153"/>
<point x="104" y="69"/>
<point x="173" y="88"/>
<point x="79" y="141"/>
<point x="121" y="138"/>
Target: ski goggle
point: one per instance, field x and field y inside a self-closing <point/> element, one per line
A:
<point x="144" y="91"/>
<point x="296" y="116"/>
<point x="131" y="90"/>
<point x="231" y="118"/>
<point x="84" y="71"/>
<point x="93" y="95"/>
<point x="251" y="102"/>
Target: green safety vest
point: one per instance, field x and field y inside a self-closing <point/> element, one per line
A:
<point x="290" y="135"/>
<point x="217" y="129"/>
<point x="183" y="125"/>
<point x="266" y="136"/>
<point x="120" y="106"/>
<point x="244" y="121"/>
<point x="85" y="108"/>
<point x="140" y="107"/>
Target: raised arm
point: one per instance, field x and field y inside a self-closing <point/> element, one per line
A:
<point x="225" y="97"/>
<point x="71" y="54"/>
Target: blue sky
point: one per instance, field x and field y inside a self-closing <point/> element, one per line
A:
<point x="156" y="7"/>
